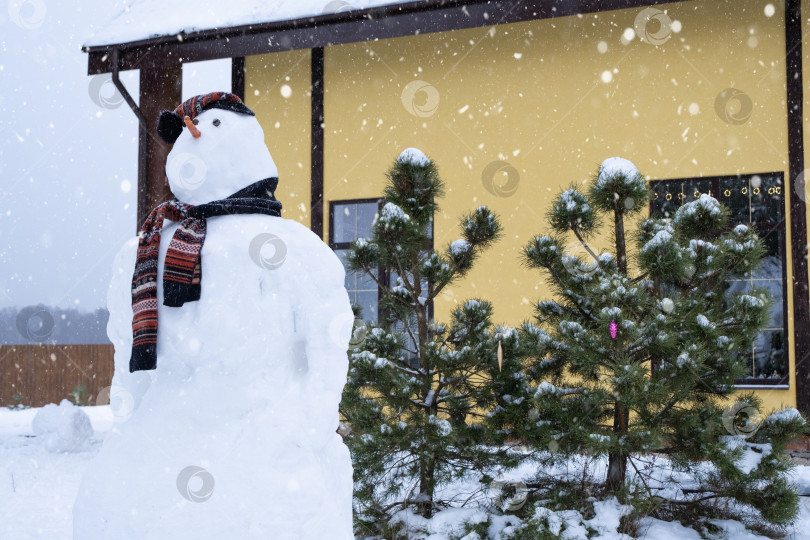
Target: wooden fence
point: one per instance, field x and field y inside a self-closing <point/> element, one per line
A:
<point x="35" y="375"/>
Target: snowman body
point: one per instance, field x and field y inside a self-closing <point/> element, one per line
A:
<point x="233" y="434"/>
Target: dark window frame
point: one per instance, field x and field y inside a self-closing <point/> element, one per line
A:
<point x="383" y="276"/>
<point x="347" y="245"/>
<point x="779" y="225"/>
<point x="332" y="204"/>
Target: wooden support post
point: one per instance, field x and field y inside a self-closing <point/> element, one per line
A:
<point x="160" y="89"/>
<point x="798" y="224"/>
<point x="316" y="197"/>
<point x="238" y="76"/>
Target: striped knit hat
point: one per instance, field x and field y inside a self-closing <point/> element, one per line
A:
<point x="171" y="123"/>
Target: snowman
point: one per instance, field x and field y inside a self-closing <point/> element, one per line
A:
<point x="230" y="356"/>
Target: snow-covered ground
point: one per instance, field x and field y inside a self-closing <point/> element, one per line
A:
<point x="38" y="487"/>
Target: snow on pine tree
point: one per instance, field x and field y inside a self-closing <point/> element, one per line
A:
<point x="418" y="390"/>
<point x="637" y="355"/>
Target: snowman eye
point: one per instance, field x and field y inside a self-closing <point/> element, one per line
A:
<point x="195" y="121"/>
<point x="216" y="121"/>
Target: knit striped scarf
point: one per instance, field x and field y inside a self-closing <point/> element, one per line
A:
<point x="182" y="269"/>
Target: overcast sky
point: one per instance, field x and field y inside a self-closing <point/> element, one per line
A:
<point x="68" y="154"/>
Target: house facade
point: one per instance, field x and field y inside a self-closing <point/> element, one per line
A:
<point x="516" y="101"/>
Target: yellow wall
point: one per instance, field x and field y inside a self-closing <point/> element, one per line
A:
<point x="553" y="98"/>
<point x="277" y="88"/>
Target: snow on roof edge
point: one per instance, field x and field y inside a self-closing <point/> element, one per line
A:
<point x="150" y="19"/>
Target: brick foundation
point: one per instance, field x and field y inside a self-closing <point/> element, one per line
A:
<point x="799" y="450"/>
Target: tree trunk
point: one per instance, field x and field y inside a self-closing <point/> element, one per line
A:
<point x="426" y="485"/>
<point x="621" y="249"/>
<point x="421" y="310"/>
<point x="617" y="461"/>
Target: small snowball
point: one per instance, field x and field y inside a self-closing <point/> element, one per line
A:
<point x="63" y="427"/>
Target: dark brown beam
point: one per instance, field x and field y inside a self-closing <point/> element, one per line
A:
<point x="798" y="223"/>
<point x="238" y="76"/>
<point x="384" y="22"/>
<point x="159" y="90"/>
<point x="316" y="132"/>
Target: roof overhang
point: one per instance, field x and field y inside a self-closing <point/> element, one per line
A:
<point x="412" y="18"/>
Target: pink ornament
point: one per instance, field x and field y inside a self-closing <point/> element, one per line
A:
<point x="614" y="329"/>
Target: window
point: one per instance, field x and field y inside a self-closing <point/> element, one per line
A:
<point x="757" y="201"/>
<point x="348" y="221"/>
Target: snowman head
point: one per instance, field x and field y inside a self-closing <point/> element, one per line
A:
<point x="218" y="148"/>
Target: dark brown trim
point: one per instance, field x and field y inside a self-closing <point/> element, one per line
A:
<point x="316" y="132"/>
<point x="383" y="22"/>
<point x="124" y="92"/>
<point x="357" y="201"/>
<point x="238" y="76"/>
<point x="798" y="237"/>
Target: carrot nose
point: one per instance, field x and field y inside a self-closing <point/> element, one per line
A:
<point x="192" y="128"/>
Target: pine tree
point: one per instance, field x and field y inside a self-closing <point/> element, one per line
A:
<point x="418" y="390"/>
<point x="638" y="353"/>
